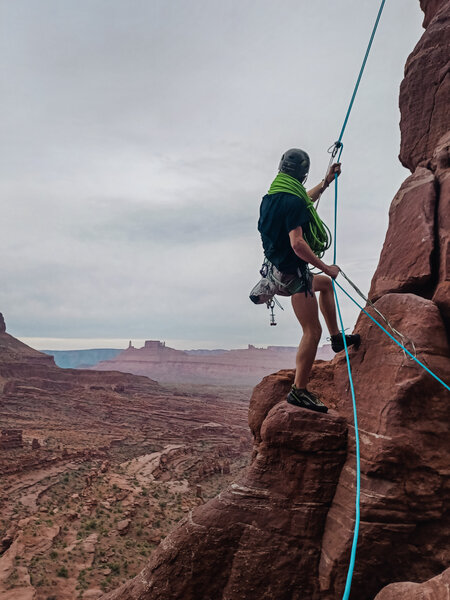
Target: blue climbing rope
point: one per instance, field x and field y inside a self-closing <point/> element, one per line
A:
<point x="348" y="582"/>
<point x="338" y="147"/>
<point x="361" y="71"/>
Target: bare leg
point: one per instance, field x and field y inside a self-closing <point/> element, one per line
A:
<point x="322" y="284"/>
<point x="307" y="313"/>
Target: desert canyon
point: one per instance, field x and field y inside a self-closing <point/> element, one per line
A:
<point x="96" y="468"/>
<point x="115" y="486"/>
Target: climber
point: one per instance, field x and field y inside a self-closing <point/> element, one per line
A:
<point x="285" y="228"/>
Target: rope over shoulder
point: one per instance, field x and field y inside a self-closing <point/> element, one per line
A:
<point x="317" y="234"/>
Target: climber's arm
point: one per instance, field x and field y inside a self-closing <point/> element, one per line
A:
<point x="315" y="192"/>
<point x="303" y="251"/>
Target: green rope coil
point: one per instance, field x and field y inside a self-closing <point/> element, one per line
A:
<point x="317" y="235"/>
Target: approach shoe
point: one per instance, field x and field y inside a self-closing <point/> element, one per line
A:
<point x="305" y="399"/>
<point x="337" y="341"/>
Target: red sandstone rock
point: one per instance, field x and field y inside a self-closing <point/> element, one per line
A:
<point x="431" y="8"/>
<point x="11" y="438"/>
<point x="435" y="589"/>
<point x="406" y="259"/>
<point x="123" y="526"/>
<point x="425" y="91"/>
<point x="403" y="416"/>
<point x="441" y="167"/>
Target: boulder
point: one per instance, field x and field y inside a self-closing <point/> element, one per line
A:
<point x="123" y="526"/>
<point x="434" y="589"/>
<point x="2" y="324"/>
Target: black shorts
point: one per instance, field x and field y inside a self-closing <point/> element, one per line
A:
<point x="288" y="284"/>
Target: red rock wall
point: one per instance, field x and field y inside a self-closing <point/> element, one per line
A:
<point x="425" y="90"/>
<point x="403" y="412"/>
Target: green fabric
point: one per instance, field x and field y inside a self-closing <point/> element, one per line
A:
<point x="318" y="236"/>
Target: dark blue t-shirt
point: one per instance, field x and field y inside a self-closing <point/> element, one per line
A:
<point x="278" y="215"/>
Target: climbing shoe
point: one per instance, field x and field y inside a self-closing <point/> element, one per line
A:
<point x="305" y="399"/>
<point x="337" y="341"/>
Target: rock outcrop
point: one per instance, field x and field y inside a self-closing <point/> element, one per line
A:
<point x="285" y="529"/>
<point x="437" y="588"/>
<point x="425" y="90"/>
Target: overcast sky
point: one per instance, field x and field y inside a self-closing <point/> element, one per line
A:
<point x="138" y="138"/>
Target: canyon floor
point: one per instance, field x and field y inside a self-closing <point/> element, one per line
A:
<point x="97" y="468"/>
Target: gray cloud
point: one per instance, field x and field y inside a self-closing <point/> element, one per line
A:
<point x="138" y="138"/>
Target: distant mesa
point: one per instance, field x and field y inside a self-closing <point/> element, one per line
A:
<point x="220" y="367"/>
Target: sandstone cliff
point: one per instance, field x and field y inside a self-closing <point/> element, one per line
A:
<point x="284" y="530"/>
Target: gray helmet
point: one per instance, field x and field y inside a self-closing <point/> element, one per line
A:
<point x="295" y="163"/>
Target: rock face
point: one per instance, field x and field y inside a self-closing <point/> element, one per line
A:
<point x="430" y="8"/>
<point x="285" y="529"/>
<point x="441" y="168"/>
<point x="406" y="259"/>
<point x="425" y="90"/>
<point x="403" y="416"/>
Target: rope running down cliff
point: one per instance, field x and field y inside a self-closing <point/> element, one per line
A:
<point x="338" y="146"/>
<point x="336" y="149"/>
